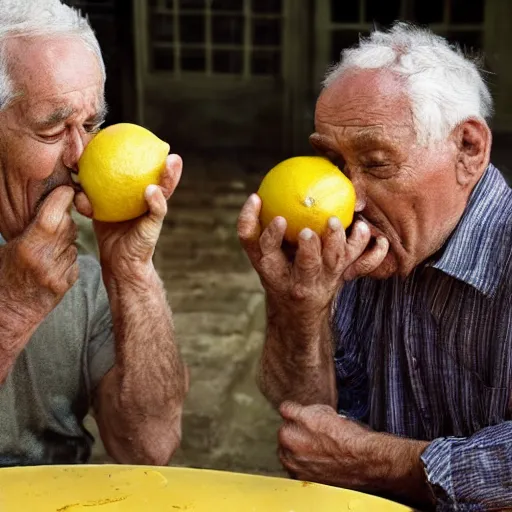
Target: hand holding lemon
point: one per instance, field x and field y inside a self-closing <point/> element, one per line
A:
<point x="117" y="166"/>
<point x="127" y="176"/>
<point x="308" y="202"/>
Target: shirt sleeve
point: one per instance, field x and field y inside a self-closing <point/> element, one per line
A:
<point x="99" y="356"/>
<point x="472" y="473"/>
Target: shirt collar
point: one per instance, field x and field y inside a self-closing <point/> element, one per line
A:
<point x="475" y="252"/>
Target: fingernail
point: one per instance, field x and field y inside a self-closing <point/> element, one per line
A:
<point x="306" y="234"/>
<point x="253" y="198"/>
<point x="150" y="190"/>
<point x="280" y="222"/>
<point x="362" y="227"/>
<point x="334" y="223"/>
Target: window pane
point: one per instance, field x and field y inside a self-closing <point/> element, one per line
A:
<point x="341" y="39"/>
<point x="162" y="59"/>
<point x="469" y="40"/>
<point x="161" y="27"/>
<point x="266" y="63"/>
<point x="227" y="61"/>
<point x="267" y="6"/>
<point x="464" y="11"/>
<point x="266" y="32"/>
<point x="227" y="5"/>
<point x="191" y="29"/>
<point x="429" y="12"/>
<point x="345" y="11"/>
<point x="189" y="4"/>
<point x="192" y="60"/>
<point x="383" y="13"/>
<point x="227" y="29"/>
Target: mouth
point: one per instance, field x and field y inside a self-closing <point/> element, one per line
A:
<point x="75" y="182"/>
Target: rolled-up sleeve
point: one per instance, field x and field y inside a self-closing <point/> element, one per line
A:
<point x="472" y="473"/>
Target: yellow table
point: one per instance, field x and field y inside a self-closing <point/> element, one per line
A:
<point x="110" y="488"/>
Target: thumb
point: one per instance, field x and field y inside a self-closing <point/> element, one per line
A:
<point x="151" y="224"/>
<point x="171" y="175"/>
<point x="290" y="410"/>
<point x="54" y="208"/>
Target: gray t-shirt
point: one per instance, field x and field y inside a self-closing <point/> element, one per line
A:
<point x="48" y="392"/>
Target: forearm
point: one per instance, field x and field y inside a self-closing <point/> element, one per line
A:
<point x="142" y="413"/>
<point x="297" y="362"/>
<point x="395" y="470"/>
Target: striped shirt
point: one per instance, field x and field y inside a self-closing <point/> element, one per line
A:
<point x="429" y="356"/>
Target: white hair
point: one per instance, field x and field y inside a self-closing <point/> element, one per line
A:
<point x="34" y="18"/>
<point x="444" y="86"/>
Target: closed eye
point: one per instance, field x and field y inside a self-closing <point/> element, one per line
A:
<point x="93" y="127"/>
<point x="53" y="137"/>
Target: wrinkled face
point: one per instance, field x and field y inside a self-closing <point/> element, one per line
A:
<point x="406" y="192"/>
<point x="59" y="105"/>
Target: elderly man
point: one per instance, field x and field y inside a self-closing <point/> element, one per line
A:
<point x="72" y="333"/>
<point x="389" y="351"/>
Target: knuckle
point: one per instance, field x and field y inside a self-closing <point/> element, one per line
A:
<point x="364" y="266"/>
<point x="73" y="275"/>
<point x="45" y="224"/>
<point x="299" y="292"/>
<point x="24" y="252"/>
<point x="283" y="436"/>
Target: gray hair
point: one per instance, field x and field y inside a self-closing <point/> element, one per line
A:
<point x="33" y="18"/>
<point x="445" y="87"/>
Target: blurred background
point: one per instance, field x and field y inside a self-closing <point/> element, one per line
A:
<point x="231" y="85"/>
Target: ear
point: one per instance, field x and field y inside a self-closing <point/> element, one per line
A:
<point x="473" y="139"/>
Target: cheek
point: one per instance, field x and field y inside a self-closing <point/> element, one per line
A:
<point x="41" y="163"/>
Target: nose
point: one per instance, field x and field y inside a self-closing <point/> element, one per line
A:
<point x="73" y="150"/>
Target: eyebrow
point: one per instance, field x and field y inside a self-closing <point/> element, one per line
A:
<point x="56" y="117"/>
<point x="60" y="115"/>
<point x="363" y="139"/>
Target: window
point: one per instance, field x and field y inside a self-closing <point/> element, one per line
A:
<point x="458" y="20"/>
<point x="221" y="37"/>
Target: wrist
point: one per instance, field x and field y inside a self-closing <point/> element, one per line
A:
<point x="20" y="317"/>
<point x="135" y="273"/>
<point x="395" y="467"/>
<point x="301" y="316"/>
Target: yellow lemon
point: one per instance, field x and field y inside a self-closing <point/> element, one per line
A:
<point x="306" y="191"/>
<point x="117" y="166"/>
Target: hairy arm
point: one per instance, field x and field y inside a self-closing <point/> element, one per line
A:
<point x="317" y="445"/>
<point x="139" y="402"/>
<point x="297" y="360"/>
<point x="37" y="268"/>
